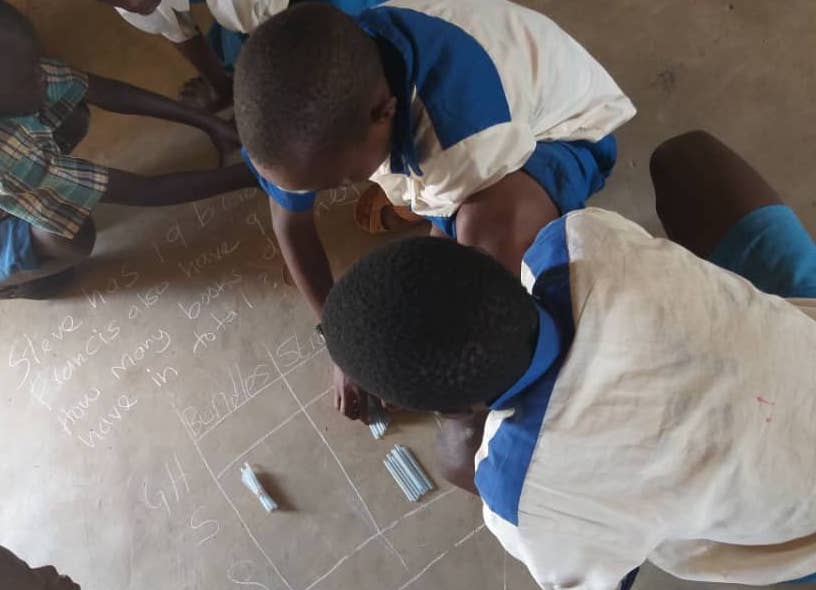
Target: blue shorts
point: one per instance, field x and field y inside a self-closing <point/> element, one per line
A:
<point x="16" y="250"/>
<point x="772" y="249"/>
<point x="570" y="172"/>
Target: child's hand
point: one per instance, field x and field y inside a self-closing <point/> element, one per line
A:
<point x="457" y="442"/>
<point x="199" y="94"/>
<point x="225" y="139"/>
<point x="349" y="399"/>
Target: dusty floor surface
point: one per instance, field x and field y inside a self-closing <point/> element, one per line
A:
<point x="129" y="405"/>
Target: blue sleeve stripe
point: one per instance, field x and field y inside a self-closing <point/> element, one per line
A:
<point x="454" y="76"/>
<point x="296" y="202"/>
<point x="500" y="476"/>
<point x="549" y="250"/>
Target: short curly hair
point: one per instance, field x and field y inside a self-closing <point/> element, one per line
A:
<point x="302" y="84"/>
<point x="429" y="324"/>
<point x="13" y="22"/>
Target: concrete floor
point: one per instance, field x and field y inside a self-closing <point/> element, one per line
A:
<point x="185" y="355"/>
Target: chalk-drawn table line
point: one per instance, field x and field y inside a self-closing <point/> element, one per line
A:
<point x="384" y="530"/>
<point x="237" y="407"/>
<point x="504" y="570"/>
<point x="379" y="531"/>
<point x="441" y="556"/>
<point x="248" y="399"/>
<point x="342" y="468"/>
<point x="285" y="421"/>
<point x="232" y="505"/>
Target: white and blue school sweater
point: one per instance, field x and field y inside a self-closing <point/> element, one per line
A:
<point x="485" y="88"/>
<point x="170" y="18"/>
<point x="669" y="414"/>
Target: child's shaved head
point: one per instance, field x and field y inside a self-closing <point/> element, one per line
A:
<point x="23" y="87"/>
<point x="305" y="87"/>
<point x="429" y="324"/>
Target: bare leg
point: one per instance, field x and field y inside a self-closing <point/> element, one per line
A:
<point x="55" y="253"/>
<point x="504" y="219"/>
<point x="703" y="188"/>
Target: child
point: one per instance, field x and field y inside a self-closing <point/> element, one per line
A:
<point x="17" y="575"/>
<point x="480" y="115"/>
<point x="645" y="404"/>
<point x="46" y="196"/>
<point x="215" y="56"/>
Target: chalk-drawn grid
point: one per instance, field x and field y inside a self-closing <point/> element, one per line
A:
<point x="405" y="573"/>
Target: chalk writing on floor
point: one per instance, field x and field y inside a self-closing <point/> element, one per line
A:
<point x="106" y="423"/>
<point x="210" y="293"/>
<point x="69" y="416"/>
<point x="125" y="279"/>
<point x="241" y="573"/>
<point x="155" y="344"/>
<point x="218" y="323"/>
<point x="194" y="266"/>
<point x="173" y="235"/>
<point x="26" y="354"/>
<point x="244" y="387"/>
<point x="147" y="299"/>
<point x="205" y="213"/>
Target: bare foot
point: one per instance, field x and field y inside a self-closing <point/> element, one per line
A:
<point x="375" y="214"/>
<point x="393" y="221"/>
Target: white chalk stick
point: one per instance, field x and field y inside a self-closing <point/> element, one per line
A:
<point x="253" y="484"/>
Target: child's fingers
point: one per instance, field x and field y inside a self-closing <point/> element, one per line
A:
<point x="362" y="404"/>
<point x="348" y="405"/>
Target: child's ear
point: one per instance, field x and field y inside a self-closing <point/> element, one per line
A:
<point x="385" y="110"/>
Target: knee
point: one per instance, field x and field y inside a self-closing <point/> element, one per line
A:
<point x="679" y="148"/>
<point x="85" y="239"/>
<point x="54" y="247"/>
<point x="82" y="244"/>
<point x="466" y="223"/>
<point x="671" y="163"/>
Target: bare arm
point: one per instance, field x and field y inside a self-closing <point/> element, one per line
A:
<point x="306" y="258"/>
<point x="456" y="445"/>
<point x="198" y="52"/>
<point x="120" y="97"/>
<point x="125" y="188"/>
<point x="304" y="254"/>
